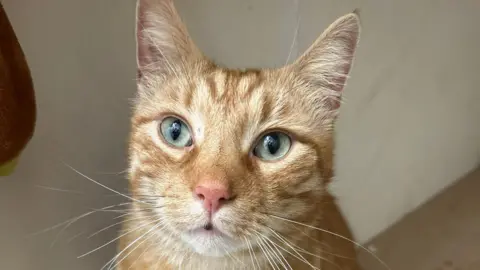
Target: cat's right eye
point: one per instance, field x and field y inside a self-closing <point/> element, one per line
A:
<point x="176" y="132"/>
<point x="273" y="146"/>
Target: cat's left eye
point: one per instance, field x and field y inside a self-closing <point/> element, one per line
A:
<point x="176" y="132"/>
<point x="272" y="146"/>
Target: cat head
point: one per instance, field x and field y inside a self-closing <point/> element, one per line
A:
<point x="220" y="156"/>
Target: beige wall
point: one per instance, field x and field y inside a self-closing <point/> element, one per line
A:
<point x="407" y="130"/>
<point x="410" y="125"/>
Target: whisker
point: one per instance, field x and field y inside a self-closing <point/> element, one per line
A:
<point x="122" y="215"/>
<point x="131" y="251"/>
<point x="329" y="253"/>
<point x="274" y="256"/>
<point x="260" y="244"/>
<point x="139" y="195"/>
<point x="115" y="239"/>
<point x="113" y="173"/>
<point x="112" y="211"/>
<point x="64" y="222"/>
<point x="113" y="225"/>
<point x="307" y="252"/>
<point x="59" y="189"/>
<point x="337" y="235"/>
<point x="229" y="254"/>
<point x="141" y="254"/>
<point x="295" y="35"/>
<point x="102" y="185"/>
<point x="269" y="246"/>
<point x="104" y="229"/>
<point x="158" y="262"/>
<point x="280" y="253"/>
<point x="74" y="237"/>
<point x="300" y="257"/>
<point x="250" y="252"/>
<point x="249" y="244"/>
<point x="68" y="223"/>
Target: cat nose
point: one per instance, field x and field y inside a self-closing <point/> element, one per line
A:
<point x="212" y="195"/>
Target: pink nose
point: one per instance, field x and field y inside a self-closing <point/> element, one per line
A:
<point x="212" y="195"/>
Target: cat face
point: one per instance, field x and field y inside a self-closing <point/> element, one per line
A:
<point x="218" y="157"/>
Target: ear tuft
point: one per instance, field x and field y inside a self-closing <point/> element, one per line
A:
<point x="357" y="12"/>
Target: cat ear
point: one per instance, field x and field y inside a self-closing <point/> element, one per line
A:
<point x="326" y="64"/>
<point x="163" y="43"/>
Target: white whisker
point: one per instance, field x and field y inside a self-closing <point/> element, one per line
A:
<point x="74" y="237"/>
<point x="102" y="185"/>
<point x="298" y="256"/>
<point x="324" y="251"/>
<point x="229" y="254"/>
<point x="61" y="190"/>
<point x="295" y="35"/>
<point x="337" y="235"/>
<point x="113" y="225"/>
<point x="265" y="253"/>
<point x="115" y="239"/>
<point x="133" y="242"/>
<point x="141" y="254"/>
<point x="69" y="220"/>
<point x="158" y="263"/>
<point x="122" y="215"/>
<point x="307" y="252"/>
<point x="112" y="173"/>
<point x="274" y="254"/>
<point x="250" y="251"/>
<point x="282" y="259"/>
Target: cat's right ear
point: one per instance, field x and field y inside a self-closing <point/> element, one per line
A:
<point x="163" y="43"/>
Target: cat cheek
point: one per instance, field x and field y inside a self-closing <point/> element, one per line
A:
<point x="311" y="184"/>
<point x="293" y="207"/>
<point x="235" y="220"/>
<point x="134" y="163"/>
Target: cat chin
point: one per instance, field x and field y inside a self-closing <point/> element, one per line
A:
<point x="211" y="244"/>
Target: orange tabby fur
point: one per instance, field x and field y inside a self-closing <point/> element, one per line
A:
<point x="227" y="111"/>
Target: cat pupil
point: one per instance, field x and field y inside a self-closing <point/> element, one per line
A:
<point x="175" y="129"/>
<point x="272" y="143"/>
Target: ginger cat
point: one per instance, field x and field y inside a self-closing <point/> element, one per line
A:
<point x="229" y="168"/>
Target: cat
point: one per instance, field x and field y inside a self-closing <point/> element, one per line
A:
<point x="229" y="168"/>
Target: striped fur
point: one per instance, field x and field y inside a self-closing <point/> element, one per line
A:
<point x="227" y="111"/>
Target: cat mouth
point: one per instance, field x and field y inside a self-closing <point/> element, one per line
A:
<point x="206" y="239"/>
<point x="208" y="230"/>
<point x="208" y="226"/>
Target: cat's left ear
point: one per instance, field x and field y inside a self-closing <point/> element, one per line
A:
<point x="325" y="66"/>
<point x="163" y="42"/>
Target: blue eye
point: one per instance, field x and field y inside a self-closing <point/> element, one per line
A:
<point x="273" y="146"/>
<point x="176" y="132"/>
